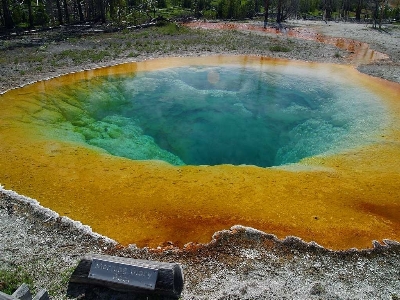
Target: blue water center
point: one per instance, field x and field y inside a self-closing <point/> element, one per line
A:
<point x="212" y="115"/>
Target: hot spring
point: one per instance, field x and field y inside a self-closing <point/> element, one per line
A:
<point x="176" y="149"/>
<point x="213" y="115"/>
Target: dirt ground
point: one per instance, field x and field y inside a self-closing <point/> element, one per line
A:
<point x="240" y="263"/>
<point x="45" y="54"/>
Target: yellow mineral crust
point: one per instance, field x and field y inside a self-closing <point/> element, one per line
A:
<point x="339" y="201"/>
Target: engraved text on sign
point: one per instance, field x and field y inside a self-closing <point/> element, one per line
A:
<point x="126" y="274"/>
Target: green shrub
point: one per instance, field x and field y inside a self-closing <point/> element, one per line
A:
<point x="10" y="280"/>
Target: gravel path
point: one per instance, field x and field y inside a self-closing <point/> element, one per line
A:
<point x="240" y="263"/>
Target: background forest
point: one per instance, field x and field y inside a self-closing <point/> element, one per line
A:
<point x="43" y="13"/>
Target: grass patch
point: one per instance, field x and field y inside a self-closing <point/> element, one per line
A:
<point x="279" y="48"/>
<point x="167" y="28"/>
<point x="133" y="54"/>
<point x="64" y="279"/>
<point x="80" y="56"/>
<point x="34" y="58"/>
<point x="10" y="280"/>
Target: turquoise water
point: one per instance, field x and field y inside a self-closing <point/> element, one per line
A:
<point x="215" y="115"/>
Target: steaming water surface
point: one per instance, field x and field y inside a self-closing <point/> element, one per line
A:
<point x="211" y="115"/>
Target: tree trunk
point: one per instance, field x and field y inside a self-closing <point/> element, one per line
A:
<point x="79" y="5"/>
<point x="8" y="21"/>
<point x="279" y="12"/>
<point x="328" y="9"/>
<point x="91" y="10"/>
<point x="66" y="12"/>
<point x="343" y="10"/>
<point x="266" y="8"/>
<point x="111" y="5"/>
<point x="376" y="9"/>
<point x="59" y="12"/>
<point x="383" y="4"/>
<point x="358" y="10"/>
<point x="102" y="10"/>
<point x="30" y="14"/>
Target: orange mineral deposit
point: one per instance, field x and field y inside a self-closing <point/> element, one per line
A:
<point x="52" y="151"/>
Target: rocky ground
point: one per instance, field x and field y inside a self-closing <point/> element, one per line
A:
<point x="385" y="41"/>
<point x="240" y="263"/>
<point x="41" y="55"/>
